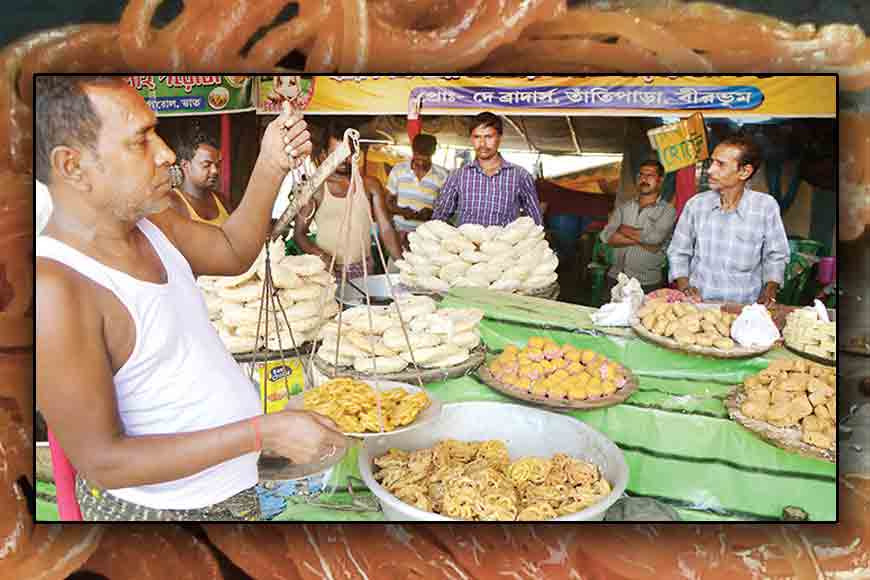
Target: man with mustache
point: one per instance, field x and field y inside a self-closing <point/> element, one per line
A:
<point x="349" y="241"/>
<point x="158" y="419"/>
<point x="730" y="243"/>
<point x="199" y="158"/>
<point x="639" y="231"/>
<point x="490" y="191"/>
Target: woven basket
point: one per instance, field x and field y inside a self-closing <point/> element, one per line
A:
<point x="409" y="374"/>
<point x="670" y="343"/>
<point x="786" y="438"/>
<point x="621" y="394"/>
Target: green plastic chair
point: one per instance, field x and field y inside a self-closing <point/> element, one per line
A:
<point x="602" y="260"/>
<point x="799" y="270"/>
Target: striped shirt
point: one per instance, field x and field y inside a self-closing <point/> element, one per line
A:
<point x="656" y="223"/>
<point x="729" y="256"/>
<point x="413" y="193"/>
<point x="488" y="199"/>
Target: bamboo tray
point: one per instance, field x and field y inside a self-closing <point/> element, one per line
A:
<point x="264" y="355"/>
<point x="813" y="357"/>
<point x="670" y="343"/>
<point x="786" y="438"/>
<point x="621" y="394"/>
<point x="409" y="374"/>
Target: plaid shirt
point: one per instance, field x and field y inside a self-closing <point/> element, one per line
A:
<point x="488" y="200"/>
<point x="729" y="256"/>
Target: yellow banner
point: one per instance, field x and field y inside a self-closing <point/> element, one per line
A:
<point x="716" y="96"/>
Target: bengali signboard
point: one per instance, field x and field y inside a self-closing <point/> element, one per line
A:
<point x="680" y="144"/>
<point x="715" y="95"/>
<point x="169" y="95"/>
<point x="591" y="97"/>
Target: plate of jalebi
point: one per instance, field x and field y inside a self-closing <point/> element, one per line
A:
<point x="370" y="408"/>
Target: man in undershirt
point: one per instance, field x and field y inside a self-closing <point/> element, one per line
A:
<point x="149" y="407"/>
<point x="349" y="241"/>
<point x="199" y="158"/>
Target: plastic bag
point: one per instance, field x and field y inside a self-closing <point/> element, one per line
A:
<point x="627" y="290"/>
<point x="754" y="327"/>
<point x="614" y="314"/>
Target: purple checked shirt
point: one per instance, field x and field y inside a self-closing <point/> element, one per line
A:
<point x="488" y="200"/>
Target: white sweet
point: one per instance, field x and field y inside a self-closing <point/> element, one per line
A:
<point x="424" y="355"/>
<point x="474" y="232"/>
<point x="466" y="340"/>
<point x="380" y="364"/>
<point x="433" y="283"/>
<point x="441" y="229"/>
<point x="245" y="293"/>
<point x="547" y="266"/>
<point x="473" y="257"/>
<point x="448" y="360"/>
<point x="535" y="282"/>
<point x="304" y="265"/>
<point x="495" y="247"/>
<point x="394" y="338"/>
<point x="284" y="276"/>
<point x="450" y="272"/>
<point x="506" y="284"/>
<point x="457" y="244"/>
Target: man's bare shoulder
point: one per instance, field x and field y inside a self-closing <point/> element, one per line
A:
<point x="58" y="283"/>
<point x="63" y="297"/>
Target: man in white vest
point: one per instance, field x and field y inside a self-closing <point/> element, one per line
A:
<point x="153" y="412"/>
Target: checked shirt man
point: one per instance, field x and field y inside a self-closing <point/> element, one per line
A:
<point x="730" y="243"/>
<point x="490" y="191"/>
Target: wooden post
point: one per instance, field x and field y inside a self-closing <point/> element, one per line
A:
<point x="226" y="159"/>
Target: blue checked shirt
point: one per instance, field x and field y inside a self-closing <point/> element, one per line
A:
<point x="729" y="256"/>
<point x="494" y="200"/>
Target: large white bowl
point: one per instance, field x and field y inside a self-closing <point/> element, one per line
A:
<point x="527" y="431"/>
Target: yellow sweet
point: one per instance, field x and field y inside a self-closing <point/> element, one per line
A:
<point x="558" y="390"/>
<point x="523" y="383"/>
<point x="533" y="353"/>
<point x="537" y="342"/>
<point x="588" y="356"/>
<point x="572" y="355"/>
<point x="595" y="388"/>
<point x="540" y="388"/>
<point x="559" y="363"/>
<point x="575" y="368"/>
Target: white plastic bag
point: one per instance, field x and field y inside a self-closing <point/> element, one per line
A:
<point x="754" y="327"/>
<point x="613" y="314"/>
<point x="821" y="311"/>
<point x="627" y="290"/>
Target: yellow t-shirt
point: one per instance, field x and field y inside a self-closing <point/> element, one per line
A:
<point x="222" y="216"/>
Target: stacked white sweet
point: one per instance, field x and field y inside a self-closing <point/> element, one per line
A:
<point x="805" y="332"/>
<point x="373" y="340"/>
<point x="305" y="294"/>
<point x="513" y="258"/>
